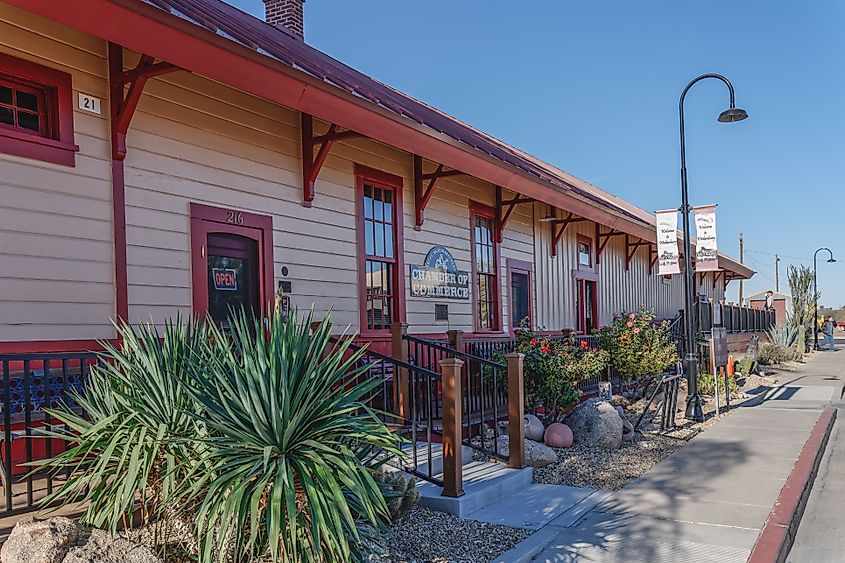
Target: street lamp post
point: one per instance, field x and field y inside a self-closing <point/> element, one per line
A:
<point x="816" y="296"/>
<point x="693" y="407"/>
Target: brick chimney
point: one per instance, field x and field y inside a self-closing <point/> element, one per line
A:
<point x="287" y="14"/>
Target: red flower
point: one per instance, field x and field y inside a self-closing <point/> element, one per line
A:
<point x="533" y="341"/>
<point x="584" y="344"/>
<point x="545" y="348"/>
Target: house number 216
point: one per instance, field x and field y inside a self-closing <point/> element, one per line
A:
<point x="235" y="217"/>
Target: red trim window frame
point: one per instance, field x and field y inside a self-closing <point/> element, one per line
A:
<point x="579" y="240"/>
<point x="484" y="246"/>
<point x="523" y="268"/>
<point x="389" y="188"/>
<point x="206" y="220"/>
<point x="54" y="142"/>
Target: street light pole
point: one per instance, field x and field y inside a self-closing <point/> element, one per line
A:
<point x="816" y="296"/>
<point x="694" y="407"/>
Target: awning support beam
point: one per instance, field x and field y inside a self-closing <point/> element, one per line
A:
<point x="311" y="163"/>
<point x="423" y="193"/>
<point x="602" y="239"/>
<point x="631" y="249"/>
<point x="124" y="102"/>
<point x="559" y="227"/>
<point x="504" y="215"/>
<point x="652" y="253"/>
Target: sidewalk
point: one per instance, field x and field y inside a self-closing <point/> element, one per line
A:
<point x="709" y="501"/>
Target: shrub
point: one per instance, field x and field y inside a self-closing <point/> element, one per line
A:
<point x="638" y="346"/>
<point x="746" y="366"/>
<point x="706" y="385"/>
<point x="772" y="354"/>
<point x="400" y="493"/>
<point x="280" y="475"/>
<point x="553" y="368"/>
<point x="137" y="435"/>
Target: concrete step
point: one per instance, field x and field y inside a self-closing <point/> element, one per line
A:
<point x="422" y="458"/>
<point x="484" y="484"/>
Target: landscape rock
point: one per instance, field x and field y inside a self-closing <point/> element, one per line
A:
<point x="534" y="429"/>
<point x="99" y="546"/>
<point x="627" y="431"/>
<point x="536" y="454"/>
<point x="596" y="423"/>
<point x="620" y="401"/>
<point x="558" y="436"/>
<point x="40" y="541"/>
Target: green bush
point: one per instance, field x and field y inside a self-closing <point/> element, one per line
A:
<point x="399" y="492"/>
<point x="773" y="354"/>
<point x="706" y="384"/>
<point x="139" y="430"/>
<point x="638" y="346"/>
<point x="552" y="370"/>
<point x="746" y="366"/>
<point x="280" y="474"/>
<point x="260" y="437"/>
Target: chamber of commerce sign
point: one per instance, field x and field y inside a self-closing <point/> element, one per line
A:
<point x="439" y="277"/>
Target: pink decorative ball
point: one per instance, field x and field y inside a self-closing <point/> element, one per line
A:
<point x="558" y="436"/>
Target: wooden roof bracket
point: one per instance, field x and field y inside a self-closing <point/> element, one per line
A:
<point x="559" y="227"/>
<point x="652" y="253"/>
<point x="631" y="249"/>
<point x="602" y="239"/>
<point x="504" y="215"/>
<point x="311" y="163"/>
<point x="422" y="193"/>
<point x="124" y="102"/>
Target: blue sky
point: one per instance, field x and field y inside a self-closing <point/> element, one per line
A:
<point x="593" y="87"/>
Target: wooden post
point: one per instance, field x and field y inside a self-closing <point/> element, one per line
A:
<point x="450" y="370"/>
<point x="401" y="381"/>
<point x="516" y="411"/>
<point x="456" y="339"/>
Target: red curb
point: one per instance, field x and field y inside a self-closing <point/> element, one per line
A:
<point x="776" y="537"/>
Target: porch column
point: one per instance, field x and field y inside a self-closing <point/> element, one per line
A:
<point x="456" y="339"/>
<point x="402" y="390"/>
<point x="450" y="370"/>
<point x="516" y="411"/>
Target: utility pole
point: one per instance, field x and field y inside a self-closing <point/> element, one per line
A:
<point x="741" y="262"/>
<point x="777" y="273"/>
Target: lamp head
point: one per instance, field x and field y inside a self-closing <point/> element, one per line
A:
<point x="832" y="259"/>
<point x="733" y="114"/>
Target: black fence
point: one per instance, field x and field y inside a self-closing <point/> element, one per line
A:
<point x="484" y="395"/>
<point x="31" y="383"/>
<point x="422" y="406"/>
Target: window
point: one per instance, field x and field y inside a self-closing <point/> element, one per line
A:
<point x="36" y="112"/>
<point x="520" y="293"/>
<point x="382" y="294"/>
<point x="485" y="269"/>
<point x="24" y="107"/>
<point x="585" y="252"/>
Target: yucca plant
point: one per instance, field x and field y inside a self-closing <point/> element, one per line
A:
<point x="287" y="425"/>
<point x="135" y="439"/>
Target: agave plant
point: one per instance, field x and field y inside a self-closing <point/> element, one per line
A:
<point x="287" y="425"/>
<point x="133" y="442"/>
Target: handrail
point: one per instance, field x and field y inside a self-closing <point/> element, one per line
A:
<point x="385" y="358"/>
<point x="457" y="353"/>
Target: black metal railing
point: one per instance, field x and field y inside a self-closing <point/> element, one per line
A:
<point x="420" y="425"/>
<point x="30" y="384"/>
<point x="484" y="395"/>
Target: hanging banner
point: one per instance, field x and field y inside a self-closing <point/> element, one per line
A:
<point x="706" y="254"/>
<point x="668" y="253"/>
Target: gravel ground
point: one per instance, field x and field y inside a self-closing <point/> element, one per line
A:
<point x="610" y="470"/>
<point x="424" y="536"/>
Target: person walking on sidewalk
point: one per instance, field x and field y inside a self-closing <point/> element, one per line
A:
<point x="827" y="330"/>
